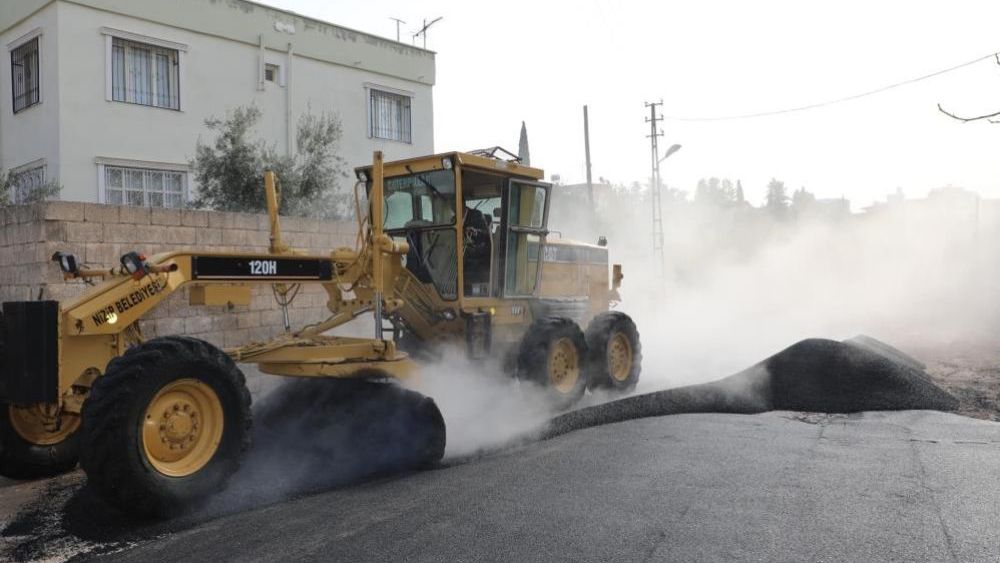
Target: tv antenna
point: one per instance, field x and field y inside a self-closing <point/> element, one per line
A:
<point x="423" y="30"/>
<point x="398" y="21"/>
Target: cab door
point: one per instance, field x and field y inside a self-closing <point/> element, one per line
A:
<point x="526" y="217"/>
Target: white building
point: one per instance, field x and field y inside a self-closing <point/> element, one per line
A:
<point x="109" y="97"/>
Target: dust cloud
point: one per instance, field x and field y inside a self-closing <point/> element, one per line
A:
<point x="483" y="407"/>
<point x="741" y="283"/>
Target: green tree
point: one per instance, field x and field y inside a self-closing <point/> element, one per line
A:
<point x="8" y="187"/>
<point x="710" y="192"/>
<point x="801" y="199"/>
<point x="728" y="191"/>
<point x="717" y="192"/>
<point x="230" y="171"/>
<point x="777" y="198"/>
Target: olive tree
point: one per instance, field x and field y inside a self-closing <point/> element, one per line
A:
<point x="229" y="171"/>
<point x="8" y="188"/>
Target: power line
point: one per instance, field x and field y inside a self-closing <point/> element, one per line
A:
<point x="837" y="100"/>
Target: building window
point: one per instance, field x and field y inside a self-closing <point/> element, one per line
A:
<point x="271" y="72"/>
<point x="390" y="116"/>
<point x="24" y="75"/>
<point x="144" y="74"/>
<point x="25" y="183"/>
<point x="144" y="187"/>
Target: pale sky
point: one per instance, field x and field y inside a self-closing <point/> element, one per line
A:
<point x="501" y="63"/>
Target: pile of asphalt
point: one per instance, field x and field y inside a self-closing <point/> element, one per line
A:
<point x="318" y="432"/>
<point x="814" y="375"/>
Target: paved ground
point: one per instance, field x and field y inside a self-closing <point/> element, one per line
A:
<point x="781" y="486"/>
<point x="970" y="372"/>
<point x="904" y="486"/>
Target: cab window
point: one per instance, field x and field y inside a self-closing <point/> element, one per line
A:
<point x="525" y="237"/>
<point x="527" y="205"/>
<point x="423" y="199"/>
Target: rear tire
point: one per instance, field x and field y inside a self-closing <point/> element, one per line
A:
<point x="553" y="354"/>
<point x="615" y="360"/>
<point x="28" y="451"/>
<point x="165" y="427"/>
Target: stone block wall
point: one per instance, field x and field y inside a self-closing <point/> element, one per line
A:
<point x="99" y="234"/>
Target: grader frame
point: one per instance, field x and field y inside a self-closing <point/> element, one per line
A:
<point x="100" y="324"/>
<point x="160" y="423"/>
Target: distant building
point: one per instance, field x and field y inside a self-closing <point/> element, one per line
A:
<point x="832" y="208"/>
<point x="950" y="209"/>
<point x="109" y="97"/>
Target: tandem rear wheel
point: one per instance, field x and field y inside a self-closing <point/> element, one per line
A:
<point x="615" y="353"/>
<point x="552" y="354"/>
<point x="166" y="426"/>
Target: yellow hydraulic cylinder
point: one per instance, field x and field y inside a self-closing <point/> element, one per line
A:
<point x="378" y="202"/>
<point x="271" y="193"/>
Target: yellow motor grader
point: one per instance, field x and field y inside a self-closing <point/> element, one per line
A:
<point x="453" y="249"/>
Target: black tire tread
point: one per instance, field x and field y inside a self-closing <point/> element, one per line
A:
<point x="598" y="334"/>
<point x="105" y="454"/>
<point x="532" y="355"/>
<point x="20" y="459"/>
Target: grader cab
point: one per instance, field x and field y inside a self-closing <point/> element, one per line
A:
<point x="453" y="250"/>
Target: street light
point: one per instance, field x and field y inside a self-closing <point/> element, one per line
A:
<point x="670" y="151"/>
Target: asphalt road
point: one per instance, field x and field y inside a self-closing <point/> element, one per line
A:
<point x="781" y="486"/>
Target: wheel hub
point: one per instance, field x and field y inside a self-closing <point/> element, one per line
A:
<point x="182" y="427"/>
<point x="42" y="424"/>
<point x="619" y="356"/>
<point x="564" y="365"/>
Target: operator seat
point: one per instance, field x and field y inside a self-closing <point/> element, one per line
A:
<point x="478" y="242"/>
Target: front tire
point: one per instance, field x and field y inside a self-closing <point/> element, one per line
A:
<point x="615" y="352"/>
<point x="166" y="426"/>
<point x="552" y="354"/>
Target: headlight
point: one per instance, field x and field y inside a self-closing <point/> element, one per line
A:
<point x="134" y="264"/>
<point x="67" y="262"/>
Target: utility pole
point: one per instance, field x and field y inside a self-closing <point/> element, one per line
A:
<point x="654" y="189"/>
<point x="398" y="21"/>
<point x="586" y="146"/>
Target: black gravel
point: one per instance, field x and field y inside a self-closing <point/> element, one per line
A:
<point x="815" y="375"/>
<point x="337" y="431"/>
